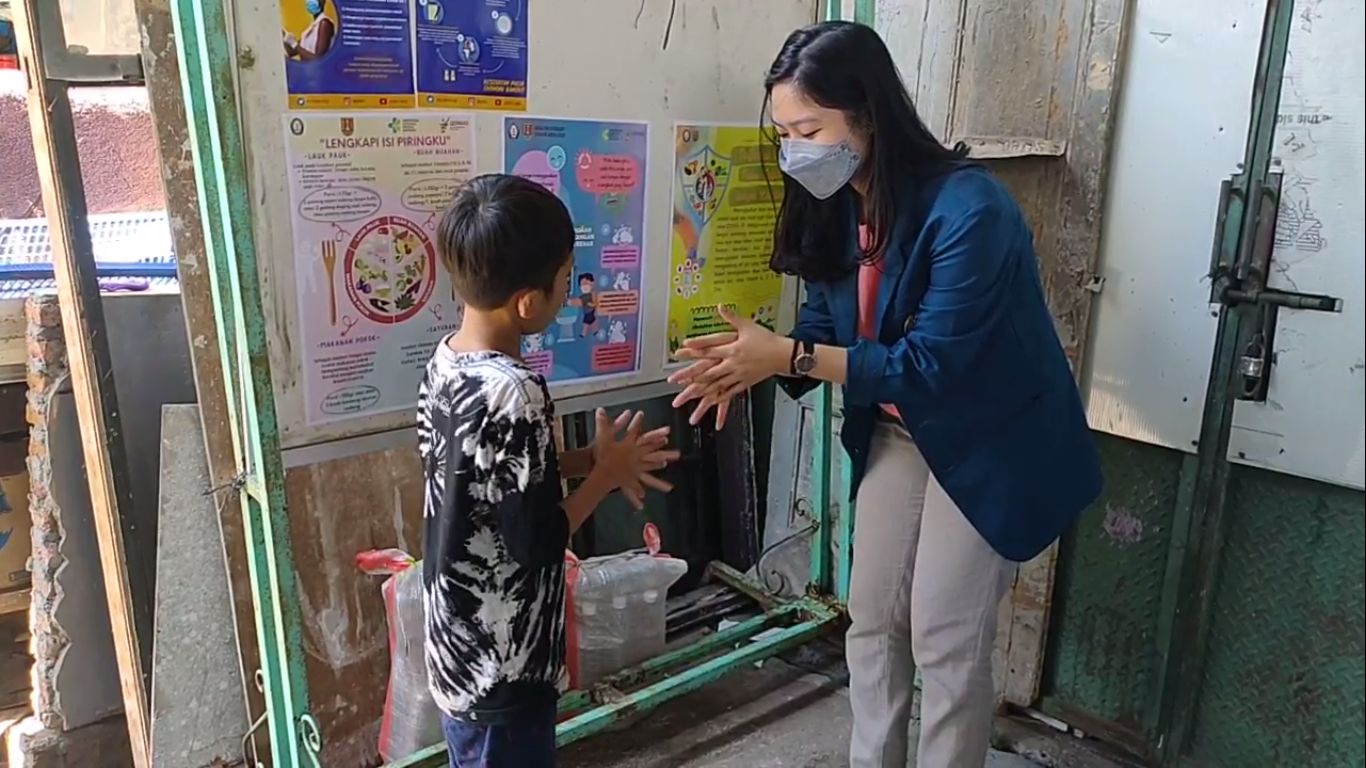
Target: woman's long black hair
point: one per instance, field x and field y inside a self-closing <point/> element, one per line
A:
<point x="846" y="66"/>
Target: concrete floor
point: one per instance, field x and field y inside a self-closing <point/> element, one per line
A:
<point x="791" y="713"/>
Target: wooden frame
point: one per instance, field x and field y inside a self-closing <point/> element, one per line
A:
<point x="166" y="99"/>
<point x="128" y="591"/>
<point x="1087" y="153"/>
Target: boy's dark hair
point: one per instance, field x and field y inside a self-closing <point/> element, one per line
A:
<point x="503" y="234"/>
<point x="587" y="276"/>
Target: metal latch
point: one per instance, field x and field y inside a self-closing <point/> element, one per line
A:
<point x="1242" y="286"/>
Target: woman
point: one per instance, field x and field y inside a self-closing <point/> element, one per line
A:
<point x="316" y="40"/>
<point x="969" y="448"/>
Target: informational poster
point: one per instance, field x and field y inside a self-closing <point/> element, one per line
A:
<point x="347" y="54"/>
<point x="366" y="193"/>
<point x="472" y="54"/>
<point x="726" y="190"/>
<point x="393" y="54"/>
<point x="598" y="169"/>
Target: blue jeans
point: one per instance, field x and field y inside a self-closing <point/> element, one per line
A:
<point x="523" y="740"/>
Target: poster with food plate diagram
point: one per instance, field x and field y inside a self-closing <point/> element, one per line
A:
<point x="366" y="192"/>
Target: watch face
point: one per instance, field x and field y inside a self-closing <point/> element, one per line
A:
<point x="805" y="364"/>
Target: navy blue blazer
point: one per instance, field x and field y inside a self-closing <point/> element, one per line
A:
<point x="967" y="352"/>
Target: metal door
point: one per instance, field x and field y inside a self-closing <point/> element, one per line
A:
<point x="1210" y="608"/>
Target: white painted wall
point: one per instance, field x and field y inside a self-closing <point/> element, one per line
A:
<point x="608" y="59"/>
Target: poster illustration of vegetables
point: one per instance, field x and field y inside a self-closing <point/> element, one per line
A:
<point x="366" y="191"/>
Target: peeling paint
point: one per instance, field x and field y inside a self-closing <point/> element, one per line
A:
<point x="399" y="527"/>
<point x="1122" y="527"/>
<point x="1100" y="75"/>
<point x="188" y="257"/>
<point x="334" y="630"/>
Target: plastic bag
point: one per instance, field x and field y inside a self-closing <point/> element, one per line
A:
<point x="617" y="611"/>
<point x="571" y="627"/>
<point x="411" y="719"/>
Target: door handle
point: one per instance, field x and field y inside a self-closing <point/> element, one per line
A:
<point x="1242" y="286"/>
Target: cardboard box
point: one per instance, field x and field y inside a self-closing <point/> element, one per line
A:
<point x="16" y="542"/>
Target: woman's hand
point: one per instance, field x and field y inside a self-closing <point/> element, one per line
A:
<point x="728" y="363"/>
<point x="709" y="396"/>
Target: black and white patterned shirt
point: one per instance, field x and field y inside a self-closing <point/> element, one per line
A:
<point x="495" y="535"/>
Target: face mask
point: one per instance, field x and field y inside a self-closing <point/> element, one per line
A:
<point x="823" y="169"/>
<point x="315" y="7"/>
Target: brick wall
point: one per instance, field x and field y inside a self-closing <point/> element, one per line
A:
<point x="41" y="741"/>
<point x="47" y="369"/>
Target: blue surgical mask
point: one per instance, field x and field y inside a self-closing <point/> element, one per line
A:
<point x="315" y="7"/>
<point x="823" y="169"/>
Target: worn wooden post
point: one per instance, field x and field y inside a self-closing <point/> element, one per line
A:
<point x="167" y="101"/>
<point x="1032" y="90"/>
<point x="129" y="592"/>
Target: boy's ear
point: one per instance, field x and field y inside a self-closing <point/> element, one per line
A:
<point x="527" y="303"/>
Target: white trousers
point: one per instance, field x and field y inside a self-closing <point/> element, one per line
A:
<point x="924" y="591"/>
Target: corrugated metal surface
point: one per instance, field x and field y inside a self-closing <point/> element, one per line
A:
<point x="1284" y="685"/>
<point x="120" y="238"/>
<point x="1103" y="661"/>
<point x="123" y="237"/>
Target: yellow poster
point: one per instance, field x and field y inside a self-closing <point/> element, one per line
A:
<point x="726" y="191"/>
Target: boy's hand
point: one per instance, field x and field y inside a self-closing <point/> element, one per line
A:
<point x="627" y="460"/>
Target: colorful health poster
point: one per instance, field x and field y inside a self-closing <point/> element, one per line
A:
<point x="726" y="190"/>
<point x="366" y="192"/>
<point x="472" y="54"/>
<point x="598" y="169"/>
<point x="348" y="54"/>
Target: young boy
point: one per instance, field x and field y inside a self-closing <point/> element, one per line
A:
<point x="496" y="524"/>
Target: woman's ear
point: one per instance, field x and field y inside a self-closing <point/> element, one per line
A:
<point x="861" y="139"/>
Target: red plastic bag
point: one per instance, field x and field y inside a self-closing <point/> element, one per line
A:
<point x="384" y="562"/>
<point x="411" y="720"/>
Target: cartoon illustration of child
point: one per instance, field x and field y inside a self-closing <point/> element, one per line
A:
<point x="587" y="301"/>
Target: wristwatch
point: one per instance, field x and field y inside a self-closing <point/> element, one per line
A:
<point x="803" y="357"/>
